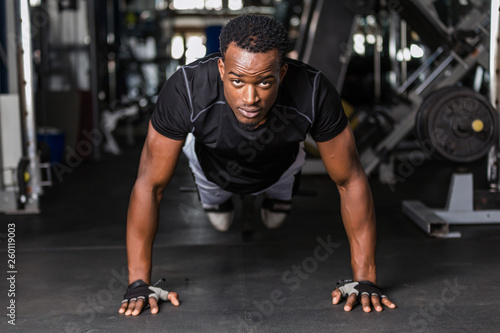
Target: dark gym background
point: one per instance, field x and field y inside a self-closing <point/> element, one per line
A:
<point x="419" y="82"/>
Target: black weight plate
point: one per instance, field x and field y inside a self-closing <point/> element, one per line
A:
<point x="445" y="122"/>
<point x="421" y="120"/>
<point x="422" y="114"/>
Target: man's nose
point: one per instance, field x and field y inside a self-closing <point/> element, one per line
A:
<point x="250" y="95"/>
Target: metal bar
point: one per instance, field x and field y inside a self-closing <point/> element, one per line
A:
<point x="11" y="150"/>
<point x="479" y="56"/>
<point x="25" y="70"/>
<point x="377" y="64"/>
<point x="460" y="60"/>
<point x="394" y="32"/>
<point x="304" y="23"/>
<point x="312" y="31"/>
<point x="420" y="70"/>
<point x="11" y="50"/>
<point x="346" y="57"/>
<point x="434" y="74"/>
<point x="425" y="21"/>
<point x="2" y="183"/>
<point x="494" y="61"/>
<point x="94" y="76"/>
<point x="474" y="217"/>
<point x="460" y="196"/>
<point x="44" y="66"/>
<point x="404" y="70"/>
<point x="427" y="220"/>
<point x="478" y="79"/>
<point x="20" y="67"/>
<point x="3" y="46"/>
<point x="459" y="208"/>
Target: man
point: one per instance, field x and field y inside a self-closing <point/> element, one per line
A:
<point x="249" y="110"/>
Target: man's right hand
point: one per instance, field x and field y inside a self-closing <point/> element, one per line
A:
<point x="158" y="160"/>
<point x="138" y="292"/>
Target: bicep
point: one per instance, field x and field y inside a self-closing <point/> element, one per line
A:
<point x="158" y="159"/>
<point x="340" y="157"/>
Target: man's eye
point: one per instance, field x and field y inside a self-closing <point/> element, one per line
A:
<point x="237" y="82"/>
<point x="265" y="83"/>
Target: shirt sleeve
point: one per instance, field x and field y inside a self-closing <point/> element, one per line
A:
<point x="330" y="119"/>
<point x="172" y="113"/>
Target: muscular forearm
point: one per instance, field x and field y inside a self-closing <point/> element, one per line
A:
<point x="359" y="220"/>
<point x="142" y="222"/>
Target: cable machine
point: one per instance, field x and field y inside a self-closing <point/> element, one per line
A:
<point x="20" y="180"/>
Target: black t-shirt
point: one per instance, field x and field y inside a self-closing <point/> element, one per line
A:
<point x="247" y="161"/>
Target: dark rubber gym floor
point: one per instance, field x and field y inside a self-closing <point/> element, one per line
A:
<point x="71" y="262"/>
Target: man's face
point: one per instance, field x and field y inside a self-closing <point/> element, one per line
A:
<point x="251" y="83"/>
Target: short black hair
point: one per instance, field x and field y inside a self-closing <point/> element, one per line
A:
<point x="255" y="34"/>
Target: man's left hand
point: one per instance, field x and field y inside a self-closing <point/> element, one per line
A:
<point x="366" y="292"/>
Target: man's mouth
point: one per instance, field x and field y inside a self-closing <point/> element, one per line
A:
<point x="250" y="112"/>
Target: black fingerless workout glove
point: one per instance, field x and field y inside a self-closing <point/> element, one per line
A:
<point x="136" y="290"/>
<point x="360" y="288"/>
<point x="141" y="290"/>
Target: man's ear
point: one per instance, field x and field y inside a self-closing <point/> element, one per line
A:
<point x="283" y="71"/>
<point x="220" y="64"/>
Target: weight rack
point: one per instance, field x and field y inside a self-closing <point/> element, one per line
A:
<point x="459" y="209"/>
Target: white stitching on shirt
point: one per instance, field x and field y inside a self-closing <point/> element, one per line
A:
<point x="294" y="109"/>
<point x="201" y="62"/>
<point x="205" y="109"/>
<point x="188" y="91"/>
<point x="314" y="95"/>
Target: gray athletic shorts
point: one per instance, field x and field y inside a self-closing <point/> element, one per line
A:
<point x="213" y="194"/>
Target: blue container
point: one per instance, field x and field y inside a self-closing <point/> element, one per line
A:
<point x="54" y="139"/>
<point x="213" y="44"/>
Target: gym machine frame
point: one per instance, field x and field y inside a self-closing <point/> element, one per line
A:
<point x="449" y="68"/>
<point x="23" y="196"/>
<point x="459" y="209"/>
